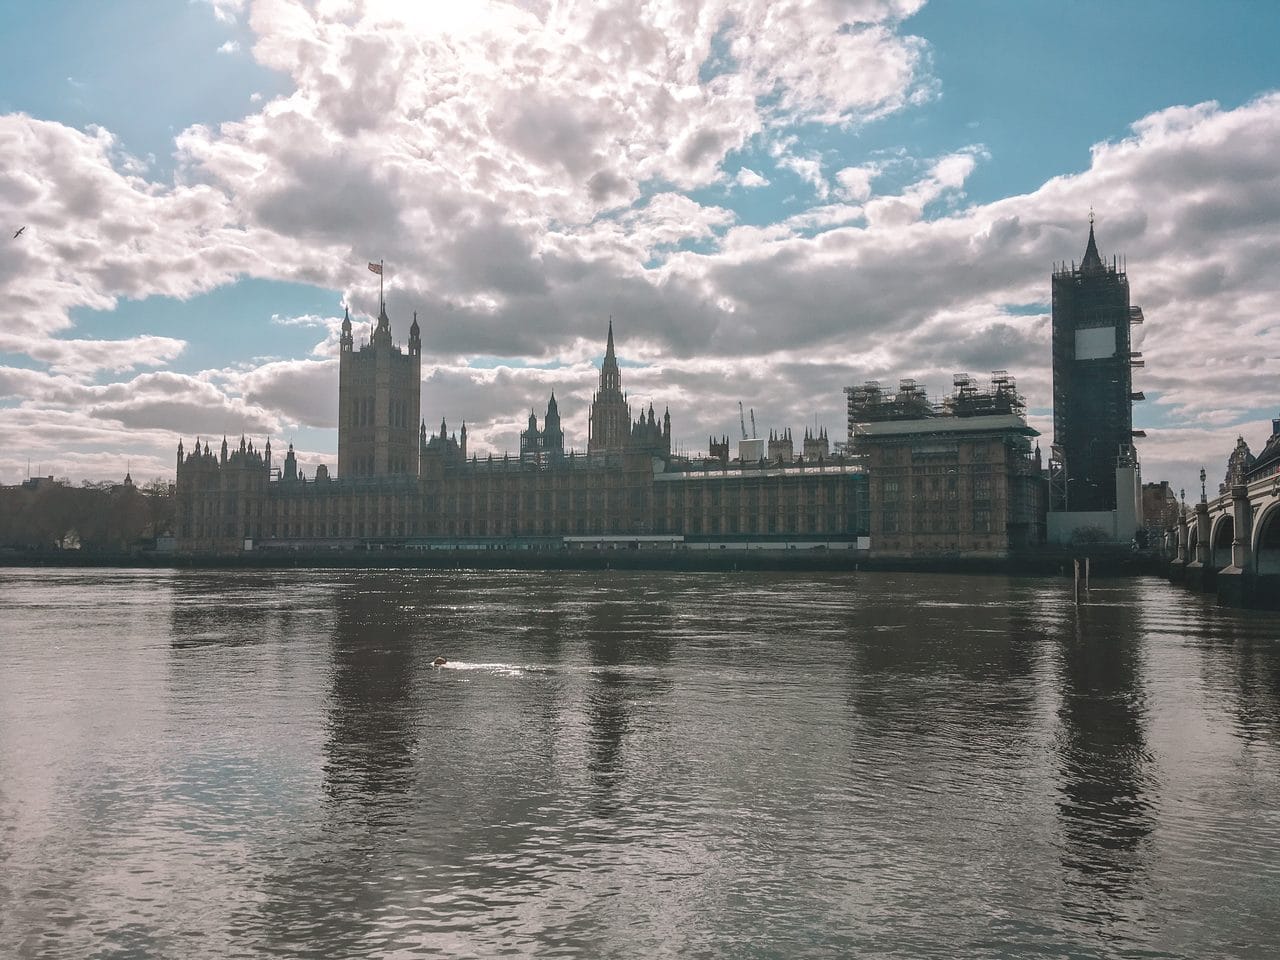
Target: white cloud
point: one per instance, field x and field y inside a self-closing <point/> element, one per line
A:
<point x="809" y="169"/>
<point x="855" y="182"/>
<point x="746" y="177"/>
<point x="226" y="11"/>
<point x="86" y="358"/>
<point x="231" y="46"/>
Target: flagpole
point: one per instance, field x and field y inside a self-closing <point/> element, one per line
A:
<point x="382" y="304"/>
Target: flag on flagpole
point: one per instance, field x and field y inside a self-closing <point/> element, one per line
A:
<point x="376" y="268"/>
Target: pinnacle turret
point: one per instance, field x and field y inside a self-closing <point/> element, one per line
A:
<point x="382" y="329"/>
<point x="415" y="337"/>
<point x="345" y="341"/>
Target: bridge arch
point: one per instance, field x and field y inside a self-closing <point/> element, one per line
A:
<point x="1266" y="541"/>
<point x="1220" y="537"/>
<point x="1193" y="539"/>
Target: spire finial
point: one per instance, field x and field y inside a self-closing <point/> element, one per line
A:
<point x="1091" y="261"/>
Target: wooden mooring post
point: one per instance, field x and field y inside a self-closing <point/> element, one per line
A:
<point x="1076" y="565"/>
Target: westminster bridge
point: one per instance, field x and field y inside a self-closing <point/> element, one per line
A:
<point x="1231" y="545"/>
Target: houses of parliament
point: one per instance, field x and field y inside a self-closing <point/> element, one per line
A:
<point x="953" y="477"/>
<point x="401" y="486"/>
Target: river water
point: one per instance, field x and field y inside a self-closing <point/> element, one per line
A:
<point x="243" y="764"/>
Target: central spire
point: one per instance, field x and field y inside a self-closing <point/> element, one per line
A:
<point x="610" y="376"/>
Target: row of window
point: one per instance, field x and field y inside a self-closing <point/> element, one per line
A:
<point x="935" y="489"/>
<point x="363" y="412"/>
<point x="892" y="521"/>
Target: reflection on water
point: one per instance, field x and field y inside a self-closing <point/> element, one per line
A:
<point x="630" y="629"/>
<point x="220" y="764"/>
<point x="372" y="744"/>
<point x="1107" y="780"/>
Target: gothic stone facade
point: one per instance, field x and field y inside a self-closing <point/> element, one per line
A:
<point x="956" y="479"/>
<point x="379" y="402"/>
<point x="627" y="484"/>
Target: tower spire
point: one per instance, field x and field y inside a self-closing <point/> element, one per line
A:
<point x="1091" y="261"/>
<point x="610" y="376"/>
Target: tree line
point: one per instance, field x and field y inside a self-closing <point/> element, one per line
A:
<point x="48" y="514"/>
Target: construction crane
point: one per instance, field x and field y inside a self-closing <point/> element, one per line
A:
<point x="753" y="423"/>
<point x="742" y="420"/>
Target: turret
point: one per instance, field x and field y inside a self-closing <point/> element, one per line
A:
<point x="179" y="453"/>
<point x="531" y="438"/>
<point x="462" y="440"/>
<point x="382" y="329"/>
<point x="415" y="337"/>
<point x="345" y="341"/>
<point x="224" y="449"/>
<point x="552" y="433"/>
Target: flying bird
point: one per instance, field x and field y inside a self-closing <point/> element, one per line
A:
<point x="19" y="233"/>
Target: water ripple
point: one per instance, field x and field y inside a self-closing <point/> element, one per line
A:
<point x="219" y="764"/>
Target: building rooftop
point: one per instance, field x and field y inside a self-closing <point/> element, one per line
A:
<point x="1003" y="422"/>
<point x="870" y="402"/>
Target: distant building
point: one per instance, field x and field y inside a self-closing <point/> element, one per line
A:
<point x="1095" y="480"/>
<point x="1267" y="463"/>
<point x="954" y="479"/>
<point x="379" y="402"/>
<point x="1159" y="507"/>
<point x="1243" y="467"/>
<point x="816" y="445"/>
<point x="547" y="443"/>
<point x="781" y="448"/>
<point x="1239" y="466"/>
<point x="718" y="449"/>
<point x="778" y="448"/>
<point x="627" y="488"/>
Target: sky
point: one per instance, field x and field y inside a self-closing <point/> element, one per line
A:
<point x="772" y="200"/>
